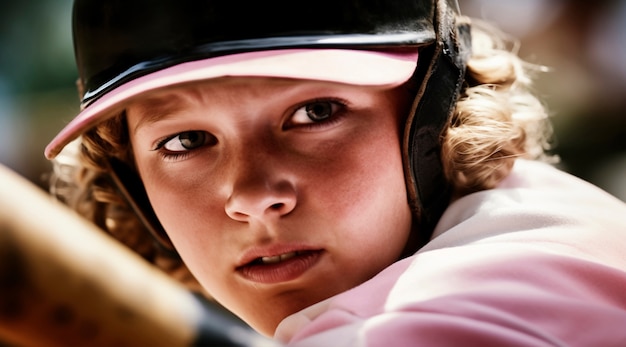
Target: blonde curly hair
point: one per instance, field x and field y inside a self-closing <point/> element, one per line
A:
<point x="496" y="120"/>
<point x="497" y="117"/>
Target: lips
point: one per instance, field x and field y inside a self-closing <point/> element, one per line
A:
<point x="279" y="266"/>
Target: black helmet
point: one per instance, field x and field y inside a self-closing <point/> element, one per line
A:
<point x="120" y="43"/>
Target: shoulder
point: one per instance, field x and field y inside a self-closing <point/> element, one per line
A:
<point x="540" y="207"/>
<point x="476" y="295"/>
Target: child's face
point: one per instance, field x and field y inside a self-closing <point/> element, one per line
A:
<point x="273" y="208"/>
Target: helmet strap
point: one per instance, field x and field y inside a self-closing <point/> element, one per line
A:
<point x="131" y="187"/>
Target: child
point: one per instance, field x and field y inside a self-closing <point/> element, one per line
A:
<point x="341" y="173"/>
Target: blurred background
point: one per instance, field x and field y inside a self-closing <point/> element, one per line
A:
<point x="582" y="42"/>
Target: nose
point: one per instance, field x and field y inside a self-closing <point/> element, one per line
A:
<point x="260" y="190"/>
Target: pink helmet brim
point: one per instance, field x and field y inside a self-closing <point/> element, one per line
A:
<point x="355" y="67"/>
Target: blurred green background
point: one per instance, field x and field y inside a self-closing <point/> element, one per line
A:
<point x="583" y="42"/>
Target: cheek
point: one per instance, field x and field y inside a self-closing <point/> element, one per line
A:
<point x="196" y="227"/>
<point x="371" y="166"/>
<point x="183" y="206"/>
<point x="370" y="215"/>
<point x="363" y="192"/>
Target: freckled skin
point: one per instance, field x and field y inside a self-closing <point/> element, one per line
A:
<point x="269" y="180"/>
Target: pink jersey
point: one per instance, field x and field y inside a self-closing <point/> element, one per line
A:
<point x="538" y="261"/>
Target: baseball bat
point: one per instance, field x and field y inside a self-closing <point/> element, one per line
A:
<point x="63" y="282"/>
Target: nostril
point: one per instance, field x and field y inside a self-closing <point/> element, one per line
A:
<point x="277" y="206"/>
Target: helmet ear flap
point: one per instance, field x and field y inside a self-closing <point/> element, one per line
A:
<point x="441" y="72"/>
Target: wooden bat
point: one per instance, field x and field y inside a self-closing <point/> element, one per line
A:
<point x="65" y="283"/>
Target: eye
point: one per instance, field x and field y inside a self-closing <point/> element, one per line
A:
<point x="187" y="141"/>
<point x="315" y="112"/>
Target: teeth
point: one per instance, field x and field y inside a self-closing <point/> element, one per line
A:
<point x="277" y="258"/>
<point x="286" y="256"/>
<point x="270" y="260"/>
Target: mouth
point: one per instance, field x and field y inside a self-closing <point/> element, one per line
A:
<point x="279" y="268"/>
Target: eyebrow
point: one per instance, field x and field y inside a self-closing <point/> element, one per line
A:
<point x="155" y="109"/>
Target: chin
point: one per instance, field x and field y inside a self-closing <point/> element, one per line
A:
<point x="265" y="326"/>
<point x="266" y="319"/>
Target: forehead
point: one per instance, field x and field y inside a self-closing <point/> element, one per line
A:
<point x="156" y="105"/>
<point x="172" y="97"/>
